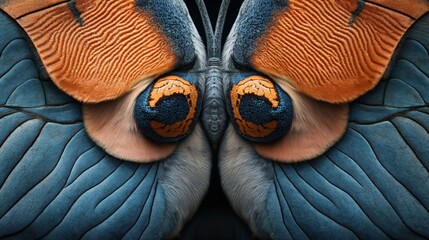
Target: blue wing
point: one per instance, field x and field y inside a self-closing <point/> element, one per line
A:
<point x="55" y="183"/>
<point x="372" y="184"/>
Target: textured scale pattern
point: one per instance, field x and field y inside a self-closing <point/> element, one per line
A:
<point x="104" y="58"/>
<point x="55" y="183"/>
<point x="374" y="183"/>
<point x="312" y="45"/>
<point x="75" y="177"/>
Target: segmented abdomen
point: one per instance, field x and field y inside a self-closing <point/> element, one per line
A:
<point x="214" y="113"/>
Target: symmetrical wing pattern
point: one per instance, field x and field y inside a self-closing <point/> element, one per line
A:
<point x="328" y="102"/>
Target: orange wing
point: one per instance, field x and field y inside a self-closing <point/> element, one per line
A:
<point x="329" y="54"/>
<point x="117" y="45"/>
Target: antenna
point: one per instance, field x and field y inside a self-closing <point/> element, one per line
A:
<point x="214" y="40"/>
<point x="220" y="24"/>
<point x="207" y="25"/>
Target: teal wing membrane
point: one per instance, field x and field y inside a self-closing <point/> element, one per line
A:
<point x="55" y="183"/>
<point x="372" y="184"/>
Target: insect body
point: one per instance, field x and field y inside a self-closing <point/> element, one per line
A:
<point x="214" y="112"/>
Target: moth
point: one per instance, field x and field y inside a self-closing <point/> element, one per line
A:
<point x="314" y="112"/>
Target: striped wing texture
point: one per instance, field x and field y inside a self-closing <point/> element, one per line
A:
<point x="55" y="183"/>
<point x="374" y="182"/>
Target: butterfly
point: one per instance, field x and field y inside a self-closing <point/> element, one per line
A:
<point x="113" y="114"/>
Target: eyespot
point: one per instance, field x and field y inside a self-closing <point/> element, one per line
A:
<point x="166" y="110"/>
<point x="261" y="110"/>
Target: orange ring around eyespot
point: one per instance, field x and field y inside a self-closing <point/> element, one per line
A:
<point x="169" y="86"/>
<point x="261" y="87"/>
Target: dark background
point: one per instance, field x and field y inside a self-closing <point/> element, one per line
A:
<point x="213" y="9"/>
<point x="215" y="218"/>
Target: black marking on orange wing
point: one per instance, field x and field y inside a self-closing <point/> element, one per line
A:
<point x="76" y="12"/>
<point x="361" y="5"/>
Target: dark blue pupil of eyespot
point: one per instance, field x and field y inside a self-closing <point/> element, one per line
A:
<point x="171" y="109"/>
<point x="255" y="109"/>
